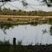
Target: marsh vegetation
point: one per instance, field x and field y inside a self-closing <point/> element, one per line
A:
<point x="6" y="11"/>
<point x="33" y="36"/>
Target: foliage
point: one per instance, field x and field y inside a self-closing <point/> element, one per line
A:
<point x="5" y="46"/>
<point x="6" y="26"/>
<point x="4" y="42"/>
<point x="35" y="48"/>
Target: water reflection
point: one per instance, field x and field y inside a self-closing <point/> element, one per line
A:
<point x="51" y="30"/>
<point x="44" y="31"/>
<point x="28" y="34"/>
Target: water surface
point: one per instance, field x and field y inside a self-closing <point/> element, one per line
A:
<point x="28" y="34"/>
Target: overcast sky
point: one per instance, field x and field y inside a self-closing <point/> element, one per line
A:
<point x="32" y="5"/>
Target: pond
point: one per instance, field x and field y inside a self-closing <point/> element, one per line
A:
<point x="28" y="34"/>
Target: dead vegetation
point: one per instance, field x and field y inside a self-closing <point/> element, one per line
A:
<point x="6" y="11"/>
<point x="23" y="17"/>
<point x="34" y="20"/>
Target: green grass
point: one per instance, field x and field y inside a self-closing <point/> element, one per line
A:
<point x="29" y="48"/>
<point x="5" y="46"/>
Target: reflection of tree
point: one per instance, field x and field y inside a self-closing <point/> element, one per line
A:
<point x="51" y="30"/>
<point x="24" y="3"/>
<point x="44" y="31"/>
<point x="19" y="42"/>
<point x="4" y="31"/>
<point x="5" y="26"/>
<point x="48" y="2"/>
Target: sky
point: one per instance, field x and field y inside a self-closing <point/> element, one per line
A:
<point x="32" y="5"/>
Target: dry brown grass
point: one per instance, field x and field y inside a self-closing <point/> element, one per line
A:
<point x="15" y="19"/>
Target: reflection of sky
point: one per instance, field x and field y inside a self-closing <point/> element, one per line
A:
<point x="28" y="34"/>
<point x="33" y="5"/>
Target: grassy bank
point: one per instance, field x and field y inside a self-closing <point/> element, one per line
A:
<point x="10" y="18"/>
<point x="29" y="48"/>
<point x="7" y="47"/>
<point x="7" y="25"/>
<point x="21" y="20"/>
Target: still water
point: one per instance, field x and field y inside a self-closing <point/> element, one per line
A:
<point x="28" y="34"/>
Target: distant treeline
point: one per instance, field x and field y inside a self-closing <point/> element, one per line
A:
<point x="20" y="12"/>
